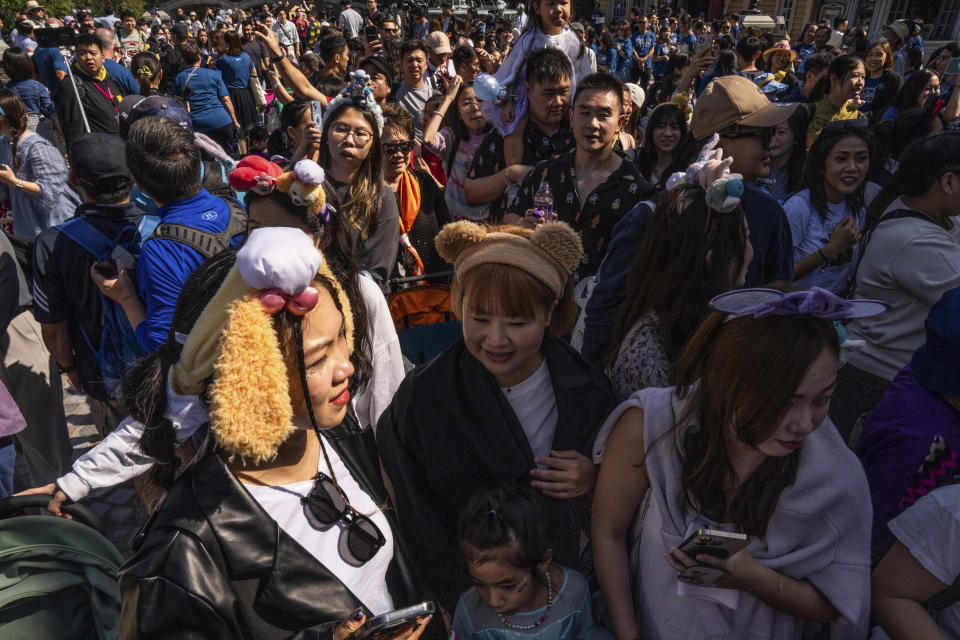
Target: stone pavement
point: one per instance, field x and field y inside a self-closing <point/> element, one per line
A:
<point x="119" y="509"/>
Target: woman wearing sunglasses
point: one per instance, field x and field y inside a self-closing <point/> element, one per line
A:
<point x="276" y="525"/>
<point x="423" y="211"/>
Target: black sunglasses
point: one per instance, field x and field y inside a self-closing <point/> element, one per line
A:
<point x="766" y="134"/>
<point x="329" y="505"/>
<point x="391" y="148"/>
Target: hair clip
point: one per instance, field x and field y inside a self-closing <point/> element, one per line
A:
<point x="358" y="93"/>
<point x="816" y="302"/>
<point x="272" y="300"/>
<point x="144" y="72"/>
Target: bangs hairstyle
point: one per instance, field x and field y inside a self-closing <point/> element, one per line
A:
<point x="815" y="171"/>
<point x="887" y="53"/>
<point x="548" y="66"/>
<point x="647" y="155"/>
<point x="507" y="524"/>
<point x="748" y="370"/>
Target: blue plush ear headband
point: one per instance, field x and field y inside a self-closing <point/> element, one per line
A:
<point x="358" y="93"/>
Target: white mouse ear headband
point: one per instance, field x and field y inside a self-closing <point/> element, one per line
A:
<point x="359" y="93"/>
<point x="235" y="343"/>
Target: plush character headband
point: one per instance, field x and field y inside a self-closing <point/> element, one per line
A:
<point x="304" y="184"/>
<point x="235" y="343"/>
<point x="359" y="93"/>
<point x="551" y="254"/>
<point x="815" y="302"/>
<point x="681" y="101"/>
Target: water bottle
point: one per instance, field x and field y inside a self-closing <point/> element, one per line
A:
<point x="543" y="202"/>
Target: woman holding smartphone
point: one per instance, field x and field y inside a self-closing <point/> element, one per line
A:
<point x="741" y="444"/>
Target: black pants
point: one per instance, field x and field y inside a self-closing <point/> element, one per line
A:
<point x="223" y="136"/>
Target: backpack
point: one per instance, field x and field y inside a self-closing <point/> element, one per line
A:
<point x="118" y="347"/>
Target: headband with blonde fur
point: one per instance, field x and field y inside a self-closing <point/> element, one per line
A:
<point x="234" y="342"/>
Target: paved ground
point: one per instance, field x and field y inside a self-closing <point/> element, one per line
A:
<point x="119" y="509"/>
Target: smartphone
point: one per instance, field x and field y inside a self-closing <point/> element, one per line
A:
<point x="107" y="269"/>
<point x="953" y="67"/>
<point x="371" y="33"/>
<point x="704" y="42"/>
<point x="316" y="112"/>
<point x="720" y="544"/>
<point x="389" y="624"/>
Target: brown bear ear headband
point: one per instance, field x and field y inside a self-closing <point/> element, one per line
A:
<point x="234" y="341"/>
<point x="304" y="184"/>
<point x="550" y="254"/>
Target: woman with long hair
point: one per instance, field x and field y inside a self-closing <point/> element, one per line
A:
<point x="828" y="217"/>
<point x="742" y="444"/>
<point x="837" y="95"/>
<point x="285" y="478"/>
<point x="664" y="143"/>
<point x="207" y="53"/>
<point x="351" y="153"/>
<point x="916" y="90"/>
<point x="882" y="82"/>
<point x="788" y="152"/>
<point x="239" y="73"/>
<point x="34" y="172"/>
<point x="516" y="402"/>
<point x="689" y="254"/>
<point x="423" y="211"/>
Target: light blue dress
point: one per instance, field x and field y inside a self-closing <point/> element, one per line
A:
<point x="570" y="617"/>
<point x="40" y="162"/>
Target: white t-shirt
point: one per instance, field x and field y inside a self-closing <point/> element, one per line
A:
<point x="535" y="405"/>
<point x="909" y="263"/>
<point x="368" y="582"/>
<point x="810" y="232"/>
<point x="930" y="530"/>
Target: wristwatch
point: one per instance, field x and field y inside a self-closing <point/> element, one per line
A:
<point x="283" y="54"/>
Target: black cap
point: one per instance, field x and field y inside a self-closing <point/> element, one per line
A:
<point x="376" y="64"/>
<point x="179" y="30"/>
<point x="99" y="162"/>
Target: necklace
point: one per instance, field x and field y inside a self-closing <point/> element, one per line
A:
<point x="542" y="619"/>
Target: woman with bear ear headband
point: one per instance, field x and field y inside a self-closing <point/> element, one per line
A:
<point x="276" y="525"/>
<point x="508" y="401"/>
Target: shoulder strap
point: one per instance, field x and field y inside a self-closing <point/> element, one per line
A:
<point x="893" y="215"/>
<point x="87" y="236"/>
<point x="947" y="597"/>
<point x="208" y="244"/>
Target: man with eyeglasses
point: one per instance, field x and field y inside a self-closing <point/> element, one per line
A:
<point x="389" y="28"/>
<point x="745" y="120"/>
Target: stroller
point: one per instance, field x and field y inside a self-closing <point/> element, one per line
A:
<point x="422" y="316"/>
<point x="58" y="577"/>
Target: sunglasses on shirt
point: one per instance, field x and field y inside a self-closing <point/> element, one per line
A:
<point x="328" y="504"/>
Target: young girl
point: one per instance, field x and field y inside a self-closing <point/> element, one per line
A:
<point x="518" y="592"/>
<point x="547" y="28"/>
<point x="742" y="443"/>
<point x="827" y="218"/>
<point x="463" y="130"/>
<point x="663" y="140"/>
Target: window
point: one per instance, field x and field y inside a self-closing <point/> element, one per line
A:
<point x="619" y="9"/>
<point x="937" y="16"/>
<point x="785" y="8"/>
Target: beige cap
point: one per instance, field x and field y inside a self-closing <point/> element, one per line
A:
<point x="438" y="42"/>
<point x="730" y="100"/>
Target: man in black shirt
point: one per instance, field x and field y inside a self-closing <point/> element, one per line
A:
<point x="592" y="185"/>
<point x="172" y="61"/>
<point x="547" y="133"/>
<point x="67" y="303"/>
<point x="255" y="49"/>
<point x="99" y="92"/>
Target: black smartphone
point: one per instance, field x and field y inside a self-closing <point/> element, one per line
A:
<point x="371" y="33"/>
<point x="107" y="269"/>
<point x="389" y="624"/>
<point x="712" y="542"/>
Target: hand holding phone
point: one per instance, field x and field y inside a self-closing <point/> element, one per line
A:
<point x="717" y="558"/>
<point x="704" y="42"/>
<point x="402" y="623"/>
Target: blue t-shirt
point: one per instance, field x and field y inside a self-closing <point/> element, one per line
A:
<point x="235" y="70"/>
<point x="123" y="77"/>
<point x="659" y="68"/>
<point x="686" y="44"/>
<point x="47" y="60"/>
<point x="624" y="61"/>
<point x="643" y="43"/>
<point x="804" y="51"/>
<point x="165" y="265"/>
<point x="34" y="95"/>
<point x="206" y="88"/>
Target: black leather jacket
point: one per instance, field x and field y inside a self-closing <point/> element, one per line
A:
<point x="210" y="563"/>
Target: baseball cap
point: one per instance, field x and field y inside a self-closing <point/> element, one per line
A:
<point x="134" y="107"/>
<point x="99" y="162"/>
<point x="438" y="42"/>
<point x="180" y="30"/>
<point x="730" y="100"/>
<point x="376" y="64"/>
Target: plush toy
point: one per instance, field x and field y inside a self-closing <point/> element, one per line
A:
<point x="304" y="185"/>
<point x="256" y="174"/>
<point x="724" y="194"/>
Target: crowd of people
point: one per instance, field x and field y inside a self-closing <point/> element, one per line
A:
<point x="706" y="382"/>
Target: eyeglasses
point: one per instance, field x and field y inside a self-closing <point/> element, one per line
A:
<point x="766" y="134"/>
<point x="390" y="148"/>
<point x="847" y="125"/>
<point x="340" y="132"/>
<point x="327" y="503"/>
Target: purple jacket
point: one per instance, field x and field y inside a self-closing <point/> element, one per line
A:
<point x="11" y="420"/>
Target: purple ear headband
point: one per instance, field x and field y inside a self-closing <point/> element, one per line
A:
<point x="815" y="302"/>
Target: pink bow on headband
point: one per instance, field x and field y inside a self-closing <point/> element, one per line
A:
<point x="298" y="304"/>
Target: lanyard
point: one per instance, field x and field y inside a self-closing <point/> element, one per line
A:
<point x="108" y="94"/>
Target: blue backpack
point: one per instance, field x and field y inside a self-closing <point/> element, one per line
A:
<point x="118" y="348"/>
